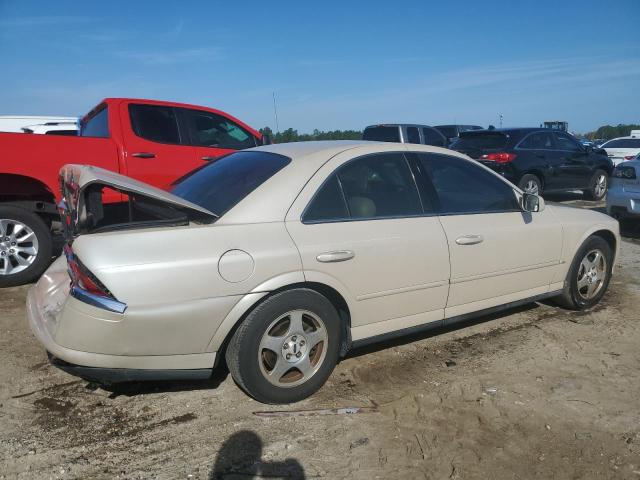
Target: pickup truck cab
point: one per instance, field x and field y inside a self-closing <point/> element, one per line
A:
<point x="152" y="141"/>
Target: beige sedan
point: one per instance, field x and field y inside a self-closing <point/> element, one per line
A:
<point x="280" y="259"/>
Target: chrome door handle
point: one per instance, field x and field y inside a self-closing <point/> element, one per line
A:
<point x="338" y="256"/>
<point x="469" y="239"/>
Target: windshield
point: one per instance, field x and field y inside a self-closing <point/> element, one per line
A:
<point x="449" y="132"/>
<point x="222" y="184"/>
<point x="382" y="134"/>
<point x="480" y="141"/>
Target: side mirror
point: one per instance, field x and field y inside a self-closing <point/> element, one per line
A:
<point x="532" y="203"/>
<point x="266" y="139"/>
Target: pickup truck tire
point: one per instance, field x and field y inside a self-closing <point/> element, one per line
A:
<point x="25" y="246"/>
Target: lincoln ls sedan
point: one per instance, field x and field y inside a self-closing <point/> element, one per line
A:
<point x="279" y="259"/>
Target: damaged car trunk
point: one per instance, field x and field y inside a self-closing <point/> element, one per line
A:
<point x="97" y="200"/>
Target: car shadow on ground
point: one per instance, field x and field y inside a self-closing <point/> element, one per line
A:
<point x="240" y="457"/>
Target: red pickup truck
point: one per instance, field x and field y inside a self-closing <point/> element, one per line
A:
<point x="152" y="141"/>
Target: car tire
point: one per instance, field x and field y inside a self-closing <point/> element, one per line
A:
<point x="25" y="246"/>
<point x="598" y="186"/>
<point x="577" y="293"/>
<point x="530" y="183"/>
<point x="266" y="355"/>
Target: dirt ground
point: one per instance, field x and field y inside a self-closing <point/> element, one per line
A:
<point x="536" y="392"/>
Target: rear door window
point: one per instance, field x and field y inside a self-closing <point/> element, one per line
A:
<point x="382" y="134"/>
<point x="97" y="125"/>
<point x="155" y="123"/>
<point x="208" y="129"/>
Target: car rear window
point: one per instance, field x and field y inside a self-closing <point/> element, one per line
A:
<point x="449" y="132"/>
<point x="481" y="141"/>
<point x="221" y="185"/>
<point x="382" y="134"/>
<point x="623" y="143"/>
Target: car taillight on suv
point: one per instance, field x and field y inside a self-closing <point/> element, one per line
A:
<point x="87" y="288"/>
<point x="499" y="157"/>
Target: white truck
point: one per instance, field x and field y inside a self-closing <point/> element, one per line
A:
<point x="39" y="124"/>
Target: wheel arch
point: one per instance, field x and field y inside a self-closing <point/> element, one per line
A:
<point x="28" y="193"/>
<point x="249" y="302"/>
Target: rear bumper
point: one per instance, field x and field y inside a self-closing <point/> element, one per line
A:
<point x="120" y="375"/>
<point x="114" y="368"/>
<point x="623" y="204"/>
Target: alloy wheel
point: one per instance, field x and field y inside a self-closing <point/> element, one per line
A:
<point x="600" y="187"/>
<point x="293" y="348"/>
<point x="18" y="246"/>
<point x="532" y="187"/>
<point x="592" y="274"/>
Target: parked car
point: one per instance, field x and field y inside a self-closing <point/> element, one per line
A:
<point x="17" y="123"/>
<point x="623" y="148"/>
<point x="405" y="133"/>
<point x="452" y="132"/>
<point x="156" y="142"/>
<point x="539" y="159"/>
<point x="53" y="128"/>
<point x="280" y="259"/>
<point x="623" y="199"/>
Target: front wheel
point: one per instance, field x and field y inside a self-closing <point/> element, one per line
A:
<point x="25" y="246"/>
<point x="589" y="275"/>
<point x="286" y="348"/>
<point x="598" y="186"/>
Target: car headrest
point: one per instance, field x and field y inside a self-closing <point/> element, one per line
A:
<point x="362" y="207"/>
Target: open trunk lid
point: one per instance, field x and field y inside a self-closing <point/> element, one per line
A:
<point x="86" y="208"/>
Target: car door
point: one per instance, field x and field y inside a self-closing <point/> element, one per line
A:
<point x="540" y="158"/>
<point x="575" y="165"/>
<point x="361" y="228"/>
<point x="214" y="135"/>
<point x="157" y="150"/>
<point x="498" y="252"/>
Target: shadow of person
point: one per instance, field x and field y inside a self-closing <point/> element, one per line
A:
<point x="240" y="457"/>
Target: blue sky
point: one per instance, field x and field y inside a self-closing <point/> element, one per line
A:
<point x="332" y="64"/>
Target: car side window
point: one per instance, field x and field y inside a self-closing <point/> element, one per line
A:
<point x="565" y="142"/>
<point x="464" y="188"/>
<point x="413" y="135"/>
<point x="537" y="141"/>
<point x="208" y="129"/>
<point x="374" y="186"/>
<point x="97" y="125"/>
<point x="432" y="137"/>
<point x="155" y="123"/>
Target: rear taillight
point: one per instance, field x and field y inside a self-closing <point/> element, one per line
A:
<point x="624" y="171"/>
<point x="82" y="278"/>
<point x="500" y="157"/>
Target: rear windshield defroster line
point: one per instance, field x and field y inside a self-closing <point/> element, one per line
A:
<point x="224" y="183"/>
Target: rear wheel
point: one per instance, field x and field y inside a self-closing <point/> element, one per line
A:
<point x="286" y="348"/>
<point x="598" y="186"/>
<point x="25" y="246"/>
<point x="589" y="275"/>
<point x="529" y="183"/>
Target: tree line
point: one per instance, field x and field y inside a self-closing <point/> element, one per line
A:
<point x="291" y="135"/>
<point x="607" y="132"/>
